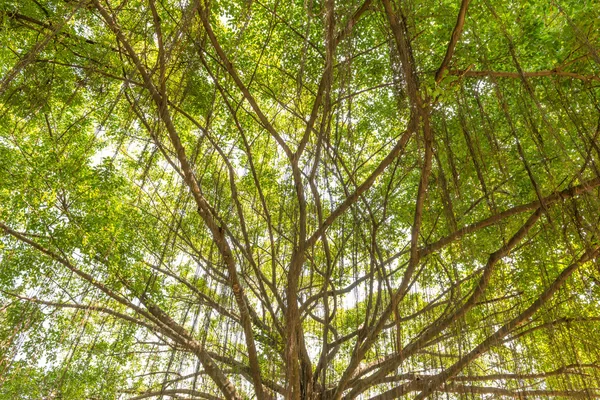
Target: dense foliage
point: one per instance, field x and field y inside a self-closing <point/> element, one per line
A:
<point x="310" y="199"/>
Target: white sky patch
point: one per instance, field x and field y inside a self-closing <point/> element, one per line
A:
<point x="450" y="110"/>
<point x="483" y="87"/>
<point x="135" y="148"/>
<point x="351" y="299"/>
<point x="225" y="19"/>
<point x="4" y="142"/>
<point x="101" y="154"/>
<point x="83" y="30"/>
<point x="107" y="151"/>
<point x="240" y="165"/>
<point x="313" y="346"/>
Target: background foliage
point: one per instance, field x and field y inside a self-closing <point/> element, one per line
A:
<point x="300" y="199"/>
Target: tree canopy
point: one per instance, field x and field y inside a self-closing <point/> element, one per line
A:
<point x="310" y="199"/>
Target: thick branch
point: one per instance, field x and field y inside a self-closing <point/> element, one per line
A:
<point x="460" y="22"/>
<point x="532" y="74"/>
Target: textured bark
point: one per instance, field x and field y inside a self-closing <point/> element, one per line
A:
<point x="458" y="28"/>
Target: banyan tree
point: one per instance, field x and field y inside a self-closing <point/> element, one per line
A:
<point x="299" y="199"/>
